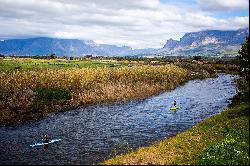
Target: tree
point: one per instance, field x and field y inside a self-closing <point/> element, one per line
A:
<point x="52" y="56"/>
<point x="244" y="59"/>
<point x="197" y="58"/>
<point x="88" y="56"/>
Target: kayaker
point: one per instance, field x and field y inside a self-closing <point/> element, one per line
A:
<point x="174" y="103"/>
<point x="45" y="139"/>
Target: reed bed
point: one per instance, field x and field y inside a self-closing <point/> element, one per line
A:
<point x="19" y="100"/>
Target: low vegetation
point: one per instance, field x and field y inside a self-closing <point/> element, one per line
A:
<point x="50" y="94"/>
<point x="28" y="64"/>
<point x="32" y="88"/>
<point x="219" y="140"/>
<point x="29" y="95"/>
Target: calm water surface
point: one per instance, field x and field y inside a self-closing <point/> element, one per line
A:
<point x="98" y="132"/>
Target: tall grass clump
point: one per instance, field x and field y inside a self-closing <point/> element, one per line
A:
<point x="69" y="88"/>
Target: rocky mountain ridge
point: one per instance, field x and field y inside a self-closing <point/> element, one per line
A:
<point x="207" y="43"/>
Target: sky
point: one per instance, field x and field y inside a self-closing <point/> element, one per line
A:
<point x="134" y="23"/>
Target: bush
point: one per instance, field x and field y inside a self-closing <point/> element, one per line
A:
<point x="243" y="84"/>
<point x="244" y="59"/>
<point x="36" y="108"/>
<point x="51" y="94"/>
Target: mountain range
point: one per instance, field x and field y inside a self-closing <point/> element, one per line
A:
<point x="208" y="43"/>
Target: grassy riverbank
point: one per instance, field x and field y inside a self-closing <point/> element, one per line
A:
<point x="30" y="89"/>
<point x="221" y="139"/>
<point x="27" y="95"/>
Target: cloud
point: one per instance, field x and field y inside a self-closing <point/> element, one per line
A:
<point x="140" y="23"/>
<point x="224" y="5"/>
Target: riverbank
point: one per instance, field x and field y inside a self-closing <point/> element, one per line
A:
<point x="94" y="133"/>
<point x="220" y="139"/>
<point x="31" y="95"/>
<point x="32" y="89"/>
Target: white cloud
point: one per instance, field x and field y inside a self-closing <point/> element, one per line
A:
<point x="224" y="4"/>
<point x="140" y="23"/>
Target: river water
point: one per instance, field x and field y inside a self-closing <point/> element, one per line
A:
<point x="95" y="133"/>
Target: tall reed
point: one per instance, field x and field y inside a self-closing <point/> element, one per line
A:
<point x="18" y="90"/>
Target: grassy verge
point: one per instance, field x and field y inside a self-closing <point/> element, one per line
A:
<point x="221" y="139"/>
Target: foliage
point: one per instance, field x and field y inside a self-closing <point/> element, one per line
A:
<point x="243" y="85"/>
<point x="1" y="98"/>
<point x="230" y="151"/>
<point x="36" y="108"/>
<point x="88" y="82"/>
<point x="50" y="94"/>
<point x="244" y="59"/>
<point x="52" y="56"/>
<point x="21" y="89"/>
<point x="197" y="58"/>
<point x="243" y="95"/>
<point x="21" y="64"/>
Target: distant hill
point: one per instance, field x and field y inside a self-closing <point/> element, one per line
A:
<point x="208" y="43"/>
<point x="70" y="47"/>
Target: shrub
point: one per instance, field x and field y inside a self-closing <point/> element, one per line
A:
<point x="36" y="108"/>
<point x="51" y="94"/>
<point x="244" y="59"/>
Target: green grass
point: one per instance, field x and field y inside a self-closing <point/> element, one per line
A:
<point x="50" y="94"/>
<point x="230" y="151"/>
<point x="222" y="139"/>
<point x="21" y="64"/>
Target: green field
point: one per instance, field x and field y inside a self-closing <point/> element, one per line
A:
<point x="27" y="64"/>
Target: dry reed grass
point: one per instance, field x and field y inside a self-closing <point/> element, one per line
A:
<point x="86" y="86"/>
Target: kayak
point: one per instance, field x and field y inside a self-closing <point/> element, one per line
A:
<point x="42" y="143"/>
<point x="174" y="108"/>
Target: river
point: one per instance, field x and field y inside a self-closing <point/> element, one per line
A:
<point x="95" y="133"/>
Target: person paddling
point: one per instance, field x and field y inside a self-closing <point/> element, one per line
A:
<point x="174" y="103"/>
<point x="45" y="139"/>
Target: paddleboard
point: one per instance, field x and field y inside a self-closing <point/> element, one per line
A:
<point x="174" y="108"/>
<point x="42" y="143"/>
